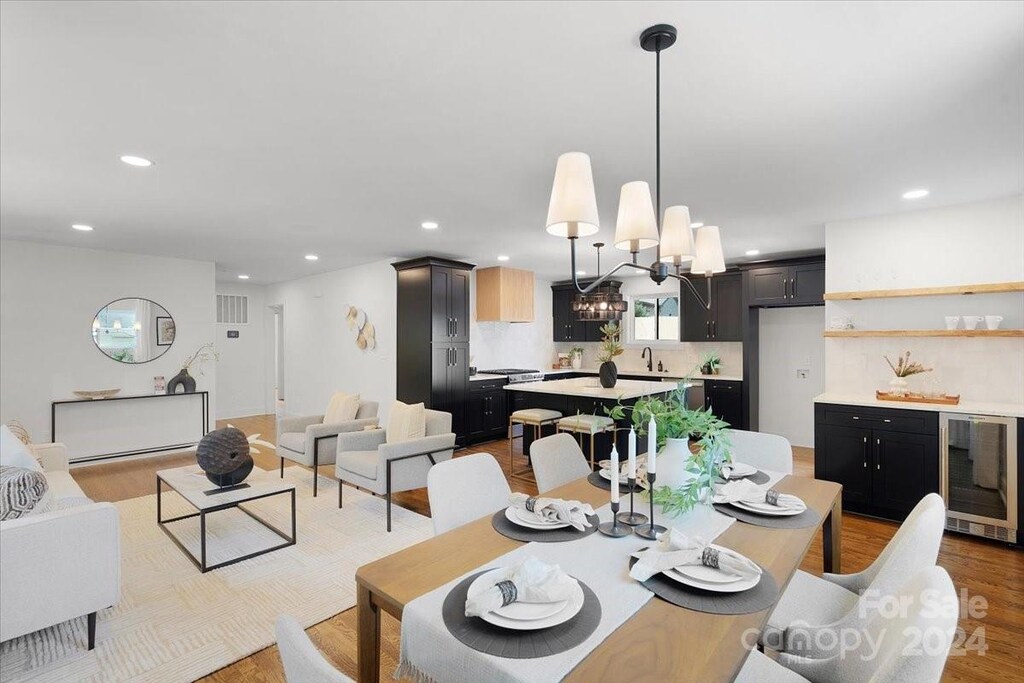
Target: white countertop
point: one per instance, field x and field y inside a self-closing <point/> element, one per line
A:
<point x="591" y="388"/>
<point x="653" y="374"/>
<point x="973" y="407"/>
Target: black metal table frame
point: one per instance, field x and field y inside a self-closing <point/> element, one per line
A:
<point x="200" y="562"/>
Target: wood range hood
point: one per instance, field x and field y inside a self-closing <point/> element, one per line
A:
<point x="504" y="295"/>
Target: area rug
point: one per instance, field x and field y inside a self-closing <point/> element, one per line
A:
<point x="175" y="624"/>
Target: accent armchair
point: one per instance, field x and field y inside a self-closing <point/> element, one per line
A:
<point x="366" y="460"/>
<point x="309" y="442"/>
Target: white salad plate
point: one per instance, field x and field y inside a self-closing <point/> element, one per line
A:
<point x="521" y="615"/>
<point x="766" y="509"/>
<point x="740" y="470"/>
<point x="699" y="572"/>
<point x="529" y="520"/>
<point x="710" y="579"/>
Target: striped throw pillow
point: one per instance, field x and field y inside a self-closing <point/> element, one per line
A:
<point x="23" y="492"/>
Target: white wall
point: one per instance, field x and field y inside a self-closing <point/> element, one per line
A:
<point x="320" y="354"/>
<point x="49" y="296"/>
<point x="246" y="365"/>
<point x="513" y="345"/>
<point x="965" y="244"/>
<point x="790" y="339"/>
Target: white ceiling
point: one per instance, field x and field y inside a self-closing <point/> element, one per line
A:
<point x="336" y="128"/>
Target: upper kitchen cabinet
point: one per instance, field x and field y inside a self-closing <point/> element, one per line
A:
<point x="504" y="295"/>
<point x="567" y="327"/>
<point x="449" y="302"/>
<point x="724" y="322"/>
<point x="800" y="284"/>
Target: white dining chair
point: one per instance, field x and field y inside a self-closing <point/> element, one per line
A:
<point x="762" y="450"/>
<point x="463" y="489"/>
<point x="302" y="662"/>
<point x="810" y="604"/>
<point x="557" y="460"/>
<point x="926" y="626"/>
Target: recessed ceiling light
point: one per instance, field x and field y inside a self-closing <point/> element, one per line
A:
<point x="136" y="161"/>
<point x="429" y="225"/>
<point x="696" y="225"/>
<point x="752" y="252"/>
<point x="581" y="272"/>
<point x="83" y="228"/>
<point x="243" y="277"/>
<point x="312" y="257"/>
<point x="503" y="258"/>
<point x="915" y="194"/>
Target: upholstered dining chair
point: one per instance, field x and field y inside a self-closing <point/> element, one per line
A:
<point x="927" y="623"/>
<point x="310" y="441"/>
<point x="762" y="450"/>
<point x="831" y="602"/>
<point x="557" y="460"/>
<point x="464" y="489"/>
<point x="302" y="662"/>
<point x="366" y="459"/>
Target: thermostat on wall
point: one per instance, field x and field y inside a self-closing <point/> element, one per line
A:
<point x="232" y="334"/>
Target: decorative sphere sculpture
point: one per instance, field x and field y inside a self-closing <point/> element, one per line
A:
<point x="224" y="456"/>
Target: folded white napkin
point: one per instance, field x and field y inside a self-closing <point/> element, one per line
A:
<point x="571" y="512"/>
<point x="531" y="581"/>
<point x="737" y="470"/>
<point x="743" y="490"/>
<point x="676" y="549"/>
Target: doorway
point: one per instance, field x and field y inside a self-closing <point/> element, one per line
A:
<point x="279" y="386"/>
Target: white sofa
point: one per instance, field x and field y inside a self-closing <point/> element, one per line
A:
<point x="61" y="564"/>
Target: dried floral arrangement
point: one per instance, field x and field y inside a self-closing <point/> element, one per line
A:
<point x="904" y="368"/>
<point x="203" y="354"/>
<point x="610" y="344"/>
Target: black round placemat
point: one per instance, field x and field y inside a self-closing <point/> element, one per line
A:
<point x="501" y="642"/>
<point x="521" y="533"/>
<point x="600" y="482"/>
<point x="762" y="596"/>
<point x="805" y="519"/>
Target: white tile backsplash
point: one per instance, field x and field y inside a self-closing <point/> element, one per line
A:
<point x="682" y="357"/>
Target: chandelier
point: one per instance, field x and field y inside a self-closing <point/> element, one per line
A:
<point x="572" y="211"/>
<point x="605" y="302"/>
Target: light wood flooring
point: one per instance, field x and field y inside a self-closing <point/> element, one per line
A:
<point x="978" y="567"/>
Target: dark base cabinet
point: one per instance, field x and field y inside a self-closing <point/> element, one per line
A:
<point x="487" y="410"/>
<point x="725" y="400"/>
<point x="886" y="460"/>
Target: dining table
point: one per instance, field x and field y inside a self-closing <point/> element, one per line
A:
<point x="660" y="641"/>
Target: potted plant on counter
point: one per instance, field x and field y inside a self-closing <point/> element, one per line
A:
<point x="610" y="348"/>
<point x="576" y="357"/>
<point x="710" y="363"/>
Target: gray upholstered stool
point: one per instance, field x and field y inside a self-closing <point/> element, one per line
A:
<point x="538" y="418"/>
<point x="587" y="424"/>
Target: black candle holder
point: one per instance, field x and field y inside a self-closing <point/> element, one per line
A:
<point x="612" y="528"/>
<point x="632" y="518"/>
<point x="651" y="531"/>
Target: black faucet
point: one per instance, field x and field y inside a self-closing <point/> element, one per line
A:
<point x="649" y="355"/>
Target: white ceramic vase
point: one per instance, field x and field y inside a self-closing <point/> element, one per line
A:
<point x="898" y="386"/>
<point x="577" y="361"/>
<point x="672" y="462"/>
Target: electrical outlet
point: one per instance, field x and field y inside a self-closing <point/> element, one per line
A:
<point x="801" y="373"/>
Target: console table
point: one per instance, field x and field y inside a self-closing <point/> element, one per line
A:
<point x="131" y="423"/>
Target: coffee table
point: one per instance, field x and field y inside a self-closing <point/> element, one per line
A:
<point x="191" y="484"/>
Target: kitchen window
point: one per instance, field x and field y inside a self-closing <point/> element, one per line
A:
<point x="655" y="318"/>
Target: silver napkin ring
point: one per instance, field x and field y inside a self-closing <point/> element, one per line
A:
<point x="709" y="558"/>
<point x="531" y="502"/>
<point x="509" y="593"/>
<point x="771" y="497"/>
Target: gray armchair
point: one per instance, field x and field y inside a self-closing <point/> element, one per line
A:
<point x="309" y="442"/>
<point x="365" y="460"/>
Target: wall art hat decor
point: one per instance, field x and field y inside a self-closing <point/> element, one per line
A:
<point x="362" y="330"/>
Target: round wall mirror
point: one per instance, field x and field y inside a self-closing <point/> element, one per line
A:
<point x="133" y="330"/>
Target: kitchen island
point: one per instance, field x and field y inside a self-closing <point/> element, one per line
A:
<point x="586" y="396"/>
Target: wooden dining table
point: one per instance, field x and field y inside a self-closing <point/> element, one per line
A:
<point x="660" y="641"/>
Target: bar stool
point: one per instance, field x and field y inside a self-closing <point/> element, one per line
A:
<point x="587" y="424"/>
<point x="538" y="418"/>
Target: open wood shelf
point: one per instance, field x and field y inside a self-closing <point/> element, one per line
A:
<point x="990" y="288"/>
<point x="924" y="333"/>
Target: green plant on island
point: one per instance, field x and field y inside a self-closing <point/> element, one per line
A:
<point x="610" y="344"/>
<point x="710" y="363"/>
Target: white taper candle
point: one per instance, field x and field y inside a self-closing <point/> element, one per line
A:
<point x="652" y="446"/>
<point x="615" y="474"/>
<point x="631" y="469"/>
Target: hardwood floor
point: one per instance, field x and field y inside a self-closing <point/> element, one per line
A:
<point x="978" y="568"/>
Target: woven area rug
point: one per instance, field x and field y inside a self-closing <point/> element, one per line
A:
<point x="175" y="624"/>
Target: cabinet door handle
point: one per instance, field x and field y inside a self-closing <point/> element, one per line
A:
<point x="455" y="322"/>
<point x="865" y="451"/>
<point x="878" y="458"/>
<point x="792" y="288"/>
<point x="707" y="329"/>
<point x="714" y="329"/>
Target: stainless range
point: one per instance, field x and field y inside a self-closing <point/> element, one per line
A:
<point x="517" y="375"/>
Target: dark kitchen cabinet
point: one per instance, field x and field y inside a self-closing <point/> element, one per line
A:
<point x="801" y="284"/>
<point x="432" y="355"/>
<point x="487" y="410"/>
<point x="565" y="322"/>
<point x="886" y="460"/>
<point x="725" y="400"/>
<point x="724" y="322"/>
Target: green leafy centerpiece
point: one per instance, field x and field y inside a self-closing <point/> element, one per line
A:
<point x="610" y="348"/>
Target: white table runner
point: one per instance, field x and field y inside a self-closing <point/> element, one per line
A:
<point x="430" y="654"/>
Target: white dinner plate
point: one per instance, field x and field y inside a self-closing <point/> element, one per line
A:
<point x="531" y="611"/>
<point x="570" y="608"/>
<point x="529" y="521"/>
<point x="733" y="587"/>
<point x="741" y="470"/>
<point x="704" y="574"/>
<point x="607" y="474"/>
<point x="766" y="509"/>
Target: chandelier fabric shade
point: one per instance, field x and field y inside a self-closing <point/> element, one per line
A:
<point x="708" y="247"/>
<point x="676" y="235"/>
<point x="572" y="211"/>
<point x="637" y="226"/>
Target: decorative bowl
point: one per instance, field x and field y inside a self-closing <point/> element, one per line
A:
<point x="99" y="393"/>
